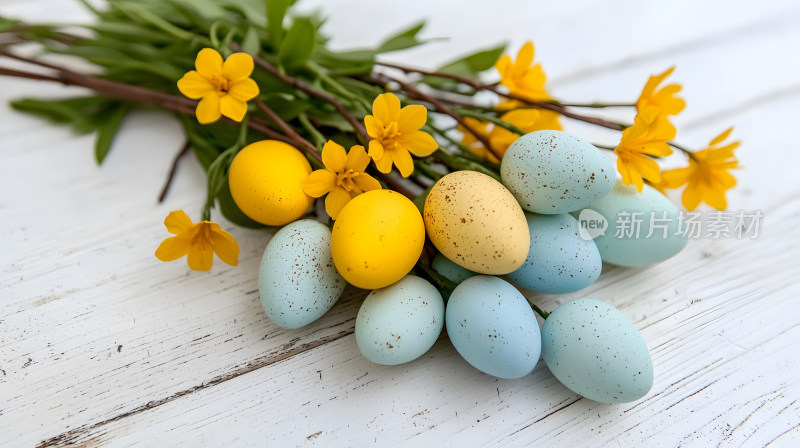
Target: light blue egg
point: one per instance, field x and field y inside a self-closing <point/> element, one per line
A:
<point x="596" y="352"/>
<point x="399" y="323"/>
<point x="297" y="279"/>
<point x="551" y="172"/>
<point x="493" y="327"/>
<point x="450" y="270"/>
<point x="559" y="261"/>
<point x="626" y="210"/>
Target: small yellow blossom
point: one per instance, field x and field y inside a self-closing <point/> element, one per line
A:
<point x="647" y="137"/>
<point x="707" y="177"/>
<point x="225" y="87"/>
<point x="520" y="76"/>
<point x="395" y="133"/>
<point x="661" y="101"/>
<point x="200" y="241"/>
<point x="342" y="179"/>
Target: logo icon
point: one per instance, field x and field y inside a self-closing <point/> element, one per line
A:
<point x="591" y="224"/>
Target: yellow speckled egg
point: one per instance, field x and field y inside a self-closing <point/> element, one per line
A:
<point x="377" y="239"/>
<point x="475" y="222"/>
<point x="265" y="182"/>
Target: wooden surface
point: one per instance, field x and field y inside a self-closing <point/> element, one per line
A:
<point x="100" y="343"/>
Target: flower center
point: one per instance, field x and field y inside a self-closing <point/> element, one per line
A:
<point x="390" y="135"/>
<point x="221" y="83"/>
<point x="345" y="179"/>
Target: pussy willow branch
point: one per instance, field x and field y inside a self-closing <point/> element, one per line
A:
<point x="415" y="93"/>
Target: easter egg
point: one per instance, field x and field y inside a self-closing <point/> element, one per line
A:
<point x="642" y="228"/>
<point x="476" y="223"/>
<point x="559" y="260"/>
<point x="400" y="322"/>
<point x="493" y="327"/>
<point x="552" y="172"/>
<point x="377" y="239"/>
<point x="596" y="352"/>
<point x="264" y="180"/>
<point x="449" y="270"/>
<point x="297" y="280"/>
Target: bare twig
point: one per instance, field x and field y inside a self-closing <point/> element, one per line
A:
<point x="308" y="147"/>
<point x="184" y="150"/>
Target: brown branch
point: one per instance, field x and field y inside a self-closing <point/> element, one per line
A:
<point x="300" y="85"/>
<point x="415" y="93"/>
<point x="546" y="105"/>
<point x="172" y="170"/>
<point x="307" y="146"/>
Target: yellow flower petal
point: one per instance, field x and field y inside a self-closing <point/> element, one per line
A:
<point x="173" y="248"/>
<point x="178" y="222"/>
<point x="223" y="244"/>
<point x="376" y="151"/>
<point x="374" y="127"/>
<point x="334" y="156"/>
<point x="692" y="196"/>
<point x="420" y="143"/>
<point x="357" y="159"/>
<point x="383" y="163"/>
<point x="403" y="161"/>
<point x="721" y="137"/>
<point x="366" y="182"/>
<point x="335" y="201"/>
<point x="386" y="108"/>
<point x="244" y="90"/>
<point x="318" y="183"/>
<point x="237" y="67"/>
<point x="208" y="62"/>
<point x="675" y="178"/>
<point x="232" y="108"/>
<point x="208" y="109"/>
<point x="412" y="118"/>
<point x="525" y="56"/>
<point x="716" y="198"/>
<point x="201" y="255"/>
<point x="195" y="86"/>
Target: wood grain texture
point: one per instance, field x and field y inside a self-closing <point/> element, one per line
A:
<point x="102" y="344"/>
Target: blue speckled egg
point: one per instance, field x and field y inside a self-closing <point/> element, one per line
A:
<point x="559" y="261"/>
<point x="552" y="172"/>
<point x="493" y="327"/>
<point x="400" y="322"/>
<point x="297" y="280"/>
<point x="596" y="352"/>
<point x="622" y="244"/>
<point x="450" y="270"/>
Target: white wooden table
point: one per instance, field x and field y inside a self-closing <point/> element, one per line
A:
<point x="100" y="343"/>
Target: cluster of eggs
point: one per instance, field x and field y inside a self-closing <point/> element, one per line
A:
<point x="523" y="228"/>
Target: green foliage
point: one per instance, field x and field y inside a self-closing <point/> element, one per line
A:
<point x="298" y="44"/>
<point x="107" y="131"/>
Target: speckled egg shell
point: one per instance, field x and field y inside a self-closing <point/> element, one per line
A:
<point x="559" y="261"/>
<point x="493" y="327"/>
<point x="596" y="352"/>
<point x="399" y="323"/>
<point x="449" y="270"/>
<point x="475" y="222"/>
<point x="620" y="244"/>
<point x="297" y="280"/>
<point x="552" y="172"/>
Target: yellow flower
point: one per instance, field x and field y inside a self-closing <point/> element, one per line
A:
<point x="396" y="133"/>
<point x="520" y="76"/>
<point x="342" y="179"/>
<point x="528" y="120"/>
<point x="472" y="143"/>
<point x="707" y="175"/>
<point x="225" y="87"/>
<point x="647" y="137"/>
<point x="663" y="101"/>
<point x="200" y="241"/>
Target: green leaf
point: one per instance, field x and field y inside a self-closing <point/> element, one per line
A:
<point x="231" y="211"/>
<point x="402" y="40"/>
<point x="6" y="24"/>
<point x="354" y="62"/>
<point x="476" y="62"/>
<point x="251" y="44"/>
<point x="107" y="131"/>
<point x="298" y="45"/>
<point x="276" y="11"/>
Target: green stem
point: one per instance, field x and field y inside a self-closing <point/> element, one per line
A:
<point x="684" y="149"/>
<point x="334" y="84"/>
<point x="319" y="139"/>
<point x="503" y="124"/>
<point x="539" y="311"/>
<point x="593" y="105"/>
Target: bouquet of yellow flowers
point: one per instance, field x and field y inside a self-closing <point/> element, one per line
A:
<point x="394" y="178"/>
